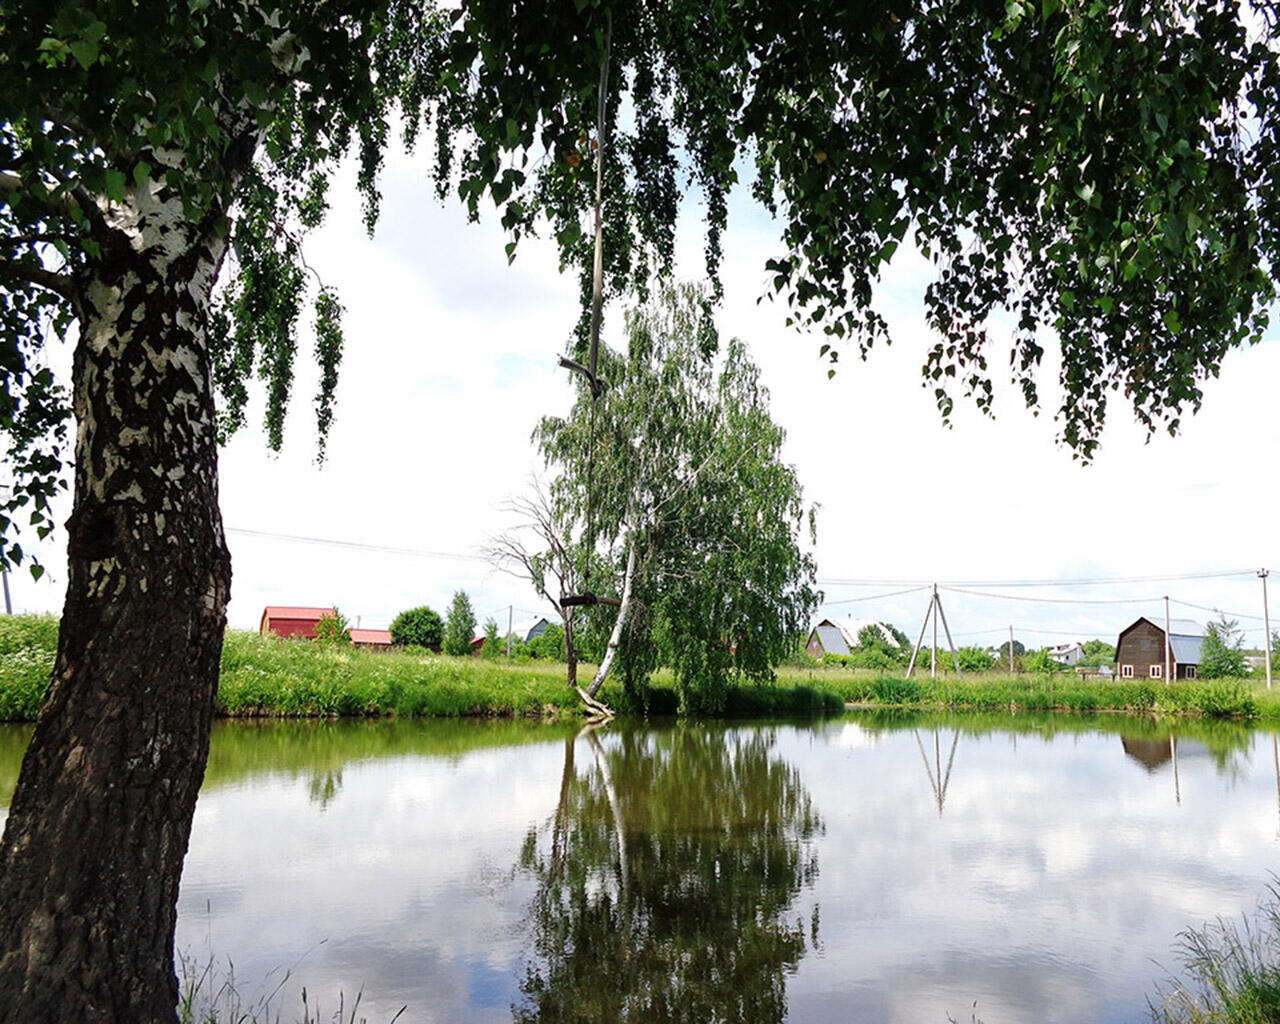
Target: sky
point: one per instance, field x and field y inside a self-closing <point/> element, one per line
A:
<point x="451" y="360"/>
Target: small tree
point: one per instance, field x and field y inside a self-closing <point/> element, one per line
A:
<point x="334" y="628"/>
<point x="494" y="645"/>
<point x="974" y="659"/>
<point x="1040" y="661"/>
<point x="459" y="626"/>
<point x="1097" y="652"/>
<point x="418" y="627"/>
<point x="874" y="650"/>
<point x="549" y="644"/>
<point x="1222" y="651"/>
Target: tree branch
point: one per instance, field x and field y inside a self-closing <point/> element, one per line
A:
<point x="47" y="279"/>
<point x="58" y="203"/>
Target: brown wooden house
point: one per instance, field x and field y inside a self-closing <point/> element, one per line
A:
<point x="1140" y="650"/>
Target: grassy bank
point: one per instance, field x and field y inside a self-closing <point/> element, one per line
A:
<point x="1061" y="691"/>
<point x="284" y="678"/>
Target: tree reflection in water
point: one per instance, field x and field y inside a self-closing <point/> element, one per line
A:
<point x="667" y="880"/>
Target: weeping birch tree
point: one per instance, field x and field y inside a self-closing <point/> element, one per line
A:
<point x="671" y="498"/>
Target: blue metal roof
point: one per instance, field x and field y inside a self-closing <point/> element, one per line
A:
<point x="1186" y="649"/>
<point x="832" y="639"/>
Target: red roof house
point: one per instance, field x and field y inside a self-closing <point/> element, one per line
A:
<point x="283" y="621"/>
<point x="370" y="637"/>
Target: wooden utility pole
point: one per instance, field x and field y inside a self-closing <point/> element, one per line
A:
<point x="1266" y="620"/>
<point x="510" y="627"/>
<point x="1168" y="643"/>
<point x="931" y="615"/>
<point x="933" y="651"/>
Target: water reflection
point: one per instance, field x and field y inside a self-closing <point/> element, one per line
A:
<point x="667" y="879"/>
<point x="1041" y="865"/>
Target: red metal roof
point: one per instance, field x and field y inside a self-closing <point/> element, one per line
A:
<point x="286" y="612"/>
<point x="370" y="636"/>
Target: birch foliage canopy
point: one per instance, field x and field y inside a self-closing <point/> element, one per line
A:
<point x="683" y="467"/>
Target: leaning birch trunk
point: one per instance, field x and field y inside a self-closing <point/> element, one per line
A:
<point x="98" y="828"/>
<point x="615" y="638"/>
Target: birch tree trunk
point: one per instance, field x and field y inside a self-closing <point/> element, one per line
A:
<point x="93" y="847"/>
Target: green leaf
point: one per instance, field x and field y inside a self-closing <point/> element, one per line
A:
<point x="141" y="171"/>
<point x="85" y="52"/>
<point x="114" y="184"/>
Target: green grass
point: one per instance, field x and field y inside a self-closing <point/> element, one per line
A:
<point x="272" y="677"/>
<point x="1064" y="691"/>
<point x="288" y="678"/>
<point x="1232" y="969"/>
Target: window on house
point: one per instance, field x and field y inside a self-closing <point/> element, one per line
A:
<point x="1157" y="671"/>
<point x="1191" y="671"/>
<point x="1126" y="671"/>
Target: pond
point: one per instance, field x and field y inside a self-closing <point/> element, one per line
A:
<point x="864" y="868"/>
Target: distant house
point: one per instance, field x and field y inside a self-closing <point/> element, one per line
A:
<point x="285" y="621"/>
<point x="1140" y="649"/>
<point x="528" y="631"/>
<point x="370" y="637"/>
<point x="840" y="636"/>
<point x="1067" y="654"/>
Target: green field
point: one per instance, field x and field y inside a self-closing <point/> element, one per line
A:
<point x="290" y="678"/>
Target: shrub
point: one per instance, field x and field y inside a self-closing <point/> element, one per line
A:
<point x="1224" y="697"/>
<point x="888" y="690"/>
<point x="334" y="628"/>
<point x="418" y="627"/>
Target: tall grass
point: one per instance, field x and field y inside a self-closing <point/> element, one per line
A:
<point x="1059" y="691"/>
<point x="210" y="994"/>
<point x="274" y="677"/>
<point x="1233" y="971"/>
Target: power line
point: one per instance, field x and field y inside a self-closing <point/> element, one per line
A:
<point x="1053" y="600"/>
<point x="354" y="545"/>
<point x="874" y="597"/>
<point x="1216" y="611"/>
<point x="1080" y="582"/>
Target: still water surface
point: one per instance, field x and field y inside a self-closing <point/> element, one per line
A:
<point x="872" y="868"/>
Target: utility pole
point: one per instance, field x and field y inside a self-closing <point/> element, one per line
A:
<point x="1010" y="649"/>
<point x="1168" y="644"/>
<point x="935" y="609"/>
<point x="510" y="627"/>
<point x="1266" y="620"/>
<point x="933" y="651"/>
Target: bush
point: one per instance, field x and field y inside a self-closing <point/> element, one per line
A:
<point x="888" y="690"/>
<point x="418" y="627"/>
<point x="1224" y="697"/>
<point x="549" y="644"/>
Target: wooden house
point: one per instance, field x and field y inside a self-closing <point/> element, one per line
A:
<point x="1067" y="654"/>
<point x="1140" y="650"/>
<point x="840" y="636"/>
<point x="370" y="637"/>
<point x="286" y="621"/>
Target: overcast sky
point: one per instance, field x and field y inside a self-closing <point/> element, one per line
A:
<point x="450" y="361"/>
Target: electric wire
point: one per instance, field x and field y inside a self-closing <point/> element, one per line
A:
<point x="354" y="545"/>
